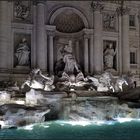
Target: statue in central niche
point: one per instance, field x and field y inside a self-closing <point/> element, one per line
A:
<point x="69" y="59"/>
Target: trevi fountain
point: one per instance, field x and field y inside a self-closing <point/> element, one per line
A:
<point x="70" y="70"/>
<point x="69" y="96"/>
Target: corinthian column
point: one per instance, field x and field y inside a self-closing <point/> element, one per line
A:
<point x="51" y="56"/>
<point x="125" y="43"/>
<point x="41" y="45"/>
<point x="97" y="50"/>
<point x="4" y="34"/>
<point x="86" y="64"/>
<point x="124" y="13"/>
<point x="91" y="54"/>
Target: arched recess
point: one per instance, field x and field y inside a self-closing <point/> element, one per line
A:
<point x="74" y="10"/>
<point x="70" y="24"/>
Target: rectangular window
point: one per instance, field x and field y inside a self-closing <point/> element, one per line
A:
<point x="132" y="20"/>
<point x="133" y="58"/>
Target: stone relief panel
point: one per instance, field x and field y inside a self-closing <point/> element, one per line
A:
<point x="109" y="21"/>
<point x="22" y="11"/>
<point x="109" y="55"/>
<point x="22" y="50"/>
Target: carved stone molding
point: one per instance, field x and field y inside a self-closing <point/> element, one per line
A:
<point x="97" y="6"/>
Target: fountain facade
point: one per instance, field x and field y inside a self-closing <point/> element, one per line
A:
<point x="80" y="72"/>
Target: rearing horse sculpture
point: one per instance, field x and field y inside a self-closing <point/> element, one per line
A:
<point x="119" y="84"/>
<point x="45" y="83"/>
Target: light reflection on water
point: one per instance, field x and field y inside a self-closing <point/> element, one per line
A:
<point x="125" y="129"/>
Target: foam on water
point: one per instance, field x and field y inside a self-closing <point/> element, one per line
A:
<point x="80" y="130"/>
<point x="28" y="127"/>
<point x="79" y="123"/>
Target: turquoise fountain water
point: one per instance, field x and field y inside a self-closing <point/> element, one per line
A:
<point x="65" y="130"/>
<point x="76" y="122"/>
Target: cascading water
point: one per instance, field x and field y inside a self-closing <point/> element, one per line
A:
<point x="97" y="109"/>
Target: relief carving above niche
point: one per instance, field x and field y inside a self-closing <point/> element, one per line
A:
<point x="22" y="10"/>
<point x="109" y="21"/>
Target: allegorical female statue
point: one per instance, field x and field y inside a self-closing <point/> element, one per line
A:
<point x="109" y="56"/>
<point x="22" y="53"/>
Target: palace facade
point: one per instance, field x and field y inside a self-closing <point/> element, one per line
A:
<point x="34" y="33"/>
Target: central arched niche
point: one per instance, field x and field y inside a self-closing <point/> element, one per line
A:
<point x="69" y="23"/>
<point x="68" y="16"/>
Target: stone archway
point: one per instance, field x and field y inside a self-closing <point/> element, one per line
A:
<point x="73" y="13"/>
<point x="70" y="24"/>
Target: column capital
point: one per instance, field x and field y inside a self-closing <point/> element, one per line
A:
<point x="51" y="30"/>
<point x="97" y="6"/>
<point x="86" y="36"/>
<point x="51" y="33"/>
<point x="35" y="2"/>
<point x="122" y="11"/>
<point x="87" y="33"/>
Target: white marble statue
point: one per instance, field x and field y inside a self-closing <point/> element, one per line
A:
<point x="107" y="82"/>
<point x="109" y="56"/>
<point x="22" y="53"/>
<point x="72" y="80"/>
<point x="101" y="86"/>
<point x="42" y="82"/>
<point x="119" y="84"/>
